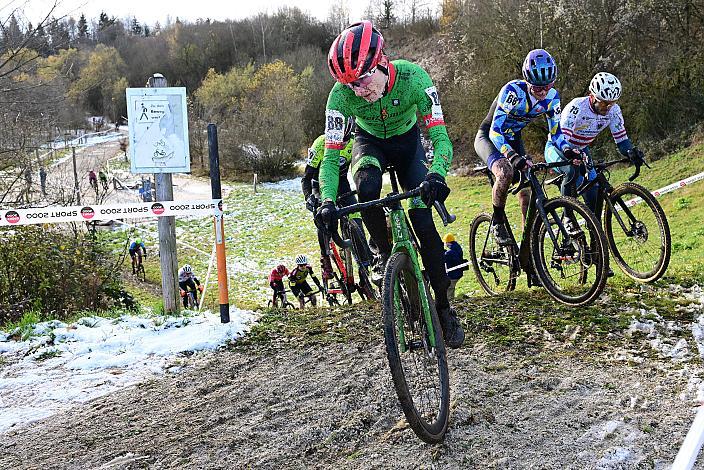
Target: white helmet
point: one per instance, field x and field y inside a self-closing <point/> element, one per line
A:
<point x="605" y="87"/>
<point x="187" y="268"/>
<point x="301" y="259"/>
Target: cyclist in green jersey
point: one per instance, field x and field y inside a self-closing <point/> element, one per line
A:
<point x="311" y="188"/>
<point x="384" y="96"/>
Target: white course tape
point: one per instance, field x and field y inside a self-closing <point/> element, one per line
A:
<point x="687" y="455"/>
<point x="669" y="188"/>
<point x="88" y="213"/>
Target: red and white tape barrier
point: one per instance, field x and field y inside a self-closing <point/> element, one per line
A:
<point x="89" y="213"/>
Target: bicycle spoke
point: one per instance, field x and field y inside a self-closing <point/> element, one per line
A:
<point x="492" y="263"/>
<point x="569" y="254"/>
<point x="642" y="249"/>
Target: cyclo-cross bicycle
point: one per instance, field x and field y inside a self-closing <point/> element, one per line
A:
<point x="280" y="300"/>
<point x="414" y="342"/>
<point x="309" y="298"/>
<point x="341" y="260"/>
<point x="139" y="269"/>
<point x="562" y="243"/>
<point x="635" y="224"/>
<point x="190" y="298"/>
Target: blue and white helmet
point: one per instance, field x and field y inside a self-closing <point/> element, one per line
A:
<point x="605" y="87"/>
<point x="539" y="68"/>
<point x="187" y="268"/>
<point x="301" y="259"/>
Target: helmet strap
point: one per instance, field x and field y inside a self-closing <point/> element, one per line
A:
<point x="591" y="103"/>
<point x="385" y="70"/>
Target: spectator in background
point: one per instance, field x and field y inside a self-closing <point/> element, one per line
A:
<point x="453" y="257"/>
<point x="42" y="179"/>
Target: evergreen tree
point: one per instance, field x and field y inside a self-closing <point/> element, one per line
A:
<point x="82" y="27"/>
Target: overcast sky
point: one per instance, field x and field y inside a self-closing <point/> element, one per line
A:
<point x="150" y="12"/>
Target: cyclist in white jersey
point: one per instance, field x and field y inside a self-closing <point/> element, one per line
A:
<point x="581" y="122"/>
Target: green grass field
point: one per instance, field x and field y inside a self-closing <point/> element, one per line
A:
<point x="272" y="227"/>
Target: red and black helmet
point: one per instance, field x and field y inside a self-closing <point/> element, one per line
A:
<point x="281" y="269"/>
<point x="355" y="52"/>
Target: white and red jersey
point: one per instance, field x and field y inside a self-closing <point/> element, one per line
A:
<point x="581" y="125"/>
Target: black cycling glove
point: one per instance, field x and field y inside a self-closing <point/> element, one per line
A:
<point x="433" y="189"/>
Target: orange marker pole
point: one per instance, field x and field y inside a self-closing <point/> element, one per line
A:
<point x="219" y="224"/>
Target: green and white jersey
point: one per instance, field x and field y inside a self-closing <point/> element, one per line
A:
<point x="317" y="151"/>
<point x="410" y="91"/>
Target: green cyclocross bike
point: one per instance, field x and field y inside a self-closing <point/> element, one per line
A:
<point x="413" y="336"/>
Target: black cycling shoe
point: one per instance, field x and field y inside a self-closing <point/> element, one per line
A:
<point x="378" y="268"/>
<point x="501" y="234"/>
<point x="452" y="330"/>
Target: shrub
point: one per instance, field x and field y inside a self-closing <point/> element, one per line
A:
<point x="54" y="273"/>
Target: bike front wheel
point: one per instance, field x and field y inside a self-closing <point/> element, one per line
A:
<point x="418" y="368"/>
<point x="569" y="257"/>
<point x="493" y="264"/>
<point x="638" y="234"/>
<point x="141" y="275"/>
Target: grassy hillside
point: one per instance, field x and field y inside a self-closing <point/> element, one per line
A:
<point x="272" y="227"/>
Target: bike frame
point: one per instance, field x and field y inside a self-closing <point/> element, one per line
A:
<point x="346" y="277"/>
<point x="281" y="295"/>
<point x="605" y="189"/>
<point x="536" y="207"/>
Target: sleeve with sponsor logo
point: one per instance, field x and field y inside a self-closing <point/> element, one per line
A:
<point x="428" y="102"/>
<point x="553" y="118"/>
<point x="509" y="98"/>
<point x="335" y="119"/>
<point x="316" y="152"/>
<point x="616" y="125"/>
<point x="568" y="118"/>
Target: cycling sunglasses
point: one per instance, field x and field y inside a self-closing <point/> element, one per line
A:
<point x="542" y="89"/>
<point x="363" y="79"/>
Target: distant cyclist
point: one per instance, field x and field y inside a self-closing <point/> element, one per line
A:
<point x="311" y="188"/>
<point x="136" y="254"/>
<point x="187" y="280"/>
<point x="276" y="281"/>
<point x="103" y="180"/>
<point x="93" y="180"/>
<point x="499" y="143"/>
<point x="298" y="283"/>
<point x="583" y="120"/>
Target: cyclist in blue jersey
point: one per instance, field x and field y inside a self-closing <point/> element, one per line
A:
<point x="498" y="142"/>
<point x="136" y="254"/>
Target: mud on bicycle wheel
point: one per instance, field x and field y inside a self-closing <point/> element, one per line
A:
<point x="419" y="371"/>
<point x="493" y="264"/>
<point x="644" y="253"/>
<point x="577" y="275"/>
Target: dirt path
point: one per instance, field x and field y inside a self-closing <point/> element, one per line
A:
<point x="287" y="403"/>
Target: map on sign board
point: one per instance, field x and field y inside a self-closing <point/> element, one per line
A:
<point x="158" y="130"/>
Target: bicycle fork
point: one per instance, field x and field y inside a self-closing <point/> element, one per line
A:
<point x="401" y="236"/>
